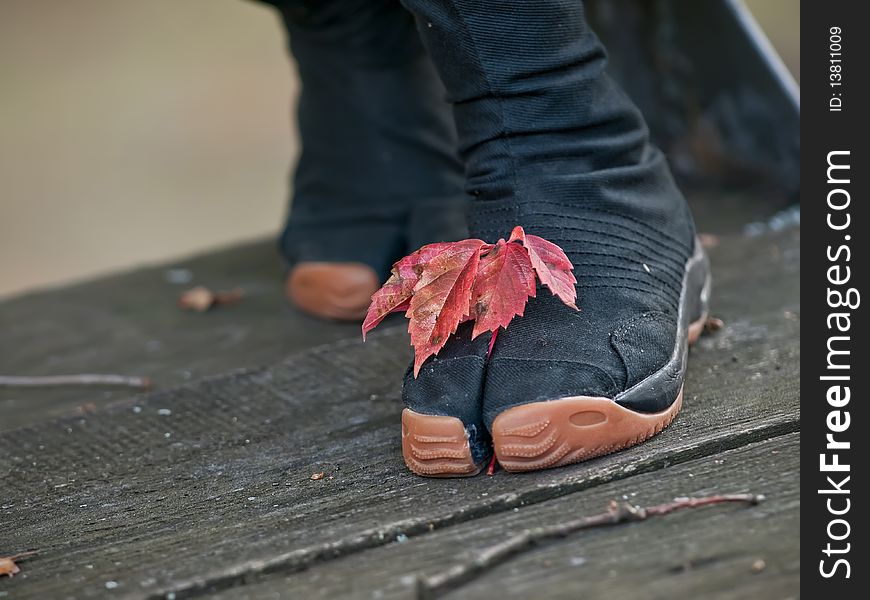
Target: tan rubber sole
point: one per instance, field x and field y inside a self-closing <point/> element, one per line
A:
<point x="436" y="446"/>
<point x="549" y="434"/>
<point x="542" y="435"/>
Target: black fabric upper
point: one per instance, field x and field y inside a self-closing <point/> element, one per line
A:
<point x="379" y="174"/>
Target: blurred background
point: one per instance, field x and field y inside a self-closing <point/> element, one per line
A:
<point x="135" y="132"/>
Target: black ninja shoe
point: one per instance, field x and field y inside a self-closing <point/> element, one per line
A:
<point x="562" y="386"/>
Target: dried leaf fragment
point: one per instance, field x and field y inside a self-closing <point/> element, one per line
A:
<point x="758" y="566"/>
<point x="713" y="324"/>
<point x="201" y="299"/>
<point x="708" y="240"/>
<point x="8" y="566"/>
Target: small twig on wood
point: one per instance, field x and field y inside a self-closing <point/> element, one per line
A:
<point x="617" y="512"/>
<point x="83" y="379"/>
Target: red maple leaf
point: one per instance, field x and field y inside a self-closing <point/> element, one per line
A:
<point x="551" y="265"/>
<point x="395" y="294"/>
<point x="442" y="285"/>
<point x="442" y="298"/>
<point x="505" y="280"/>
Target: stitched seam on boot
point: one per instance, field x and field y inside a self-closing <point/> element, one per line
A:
<point x="624" y="217"/>
<point x="665" y="268"/>
<point x="671" y="285"/>
<point x="586" y="219"/>
<point x="650" y="246"/>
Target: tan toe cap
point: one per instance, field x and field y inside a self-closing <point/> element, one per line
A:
<point x="332" y="290"/>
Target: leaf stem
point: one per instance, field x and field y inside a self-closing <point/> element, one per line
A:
<point x="492" y="343"/>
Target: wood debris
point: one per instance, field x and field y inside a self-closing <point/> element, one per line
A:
<point x="201" y="299"/>
<point x="8" y="566"/>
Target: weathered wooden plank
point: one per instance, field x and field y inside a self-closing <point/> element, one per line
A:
<point x="129" y="323"/>
<point x="721" y="552"/>
<point x="226" y="494"/>
<point x="110" y="497"/>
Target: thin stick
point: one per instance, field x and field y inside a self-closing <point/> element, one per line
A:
<point x="617" y="512"/>
<point x="83" y="379"/>
<point x="21" y="555"/>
